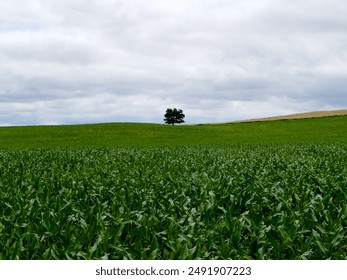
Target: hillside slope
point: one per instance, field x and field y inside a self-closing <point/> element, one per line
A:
<point x="314" y="130"/>
<point x="306" y="115"/>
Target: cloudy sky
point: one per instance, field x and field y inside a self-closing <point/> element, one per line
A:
<point x="90" y="61"/>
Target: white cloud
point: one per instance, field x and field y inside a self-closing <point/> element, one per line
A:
<point x="218" y="60"/>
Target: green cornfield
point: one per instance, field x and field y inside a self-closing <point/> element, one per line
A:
<point x="193" y="202"/>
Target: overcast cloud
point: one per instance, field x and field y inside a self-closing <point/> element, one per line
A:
<point x="89" y="61"/>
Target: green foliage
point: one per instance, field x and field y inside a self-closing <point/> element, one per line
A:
<point x="173" y="116"/>
<point x="283" y="201"/>
<point x="269" y="190"/>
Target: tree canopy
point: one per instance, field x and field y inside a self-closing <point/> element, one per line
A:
<point x="173" y="116"/>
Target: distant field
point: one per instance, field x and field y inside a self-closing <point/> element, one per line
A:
<point x="317" y="114"/>
<point x="329" y="129"/>
<point x="262" y="190"/>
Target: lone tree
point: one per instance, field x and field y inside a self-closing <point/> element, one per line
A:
<point x="173" y="116"/>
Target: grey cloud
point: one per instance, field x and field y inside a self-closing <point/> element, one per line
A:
<point x="42" y="47"/>
<point x="91" y="61"/>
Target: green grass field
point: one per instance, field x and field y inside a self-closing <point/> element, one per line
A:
<point x="317" y="130"/>
<point x="263" y="190"/>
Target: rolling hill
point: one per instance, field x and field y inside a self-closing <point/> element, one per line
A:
<point x="281" y="130"/>
<point x="306" y="115"/>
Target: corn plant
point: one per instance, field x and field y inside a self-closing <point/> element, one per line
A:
<point x="199" y="202"/>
